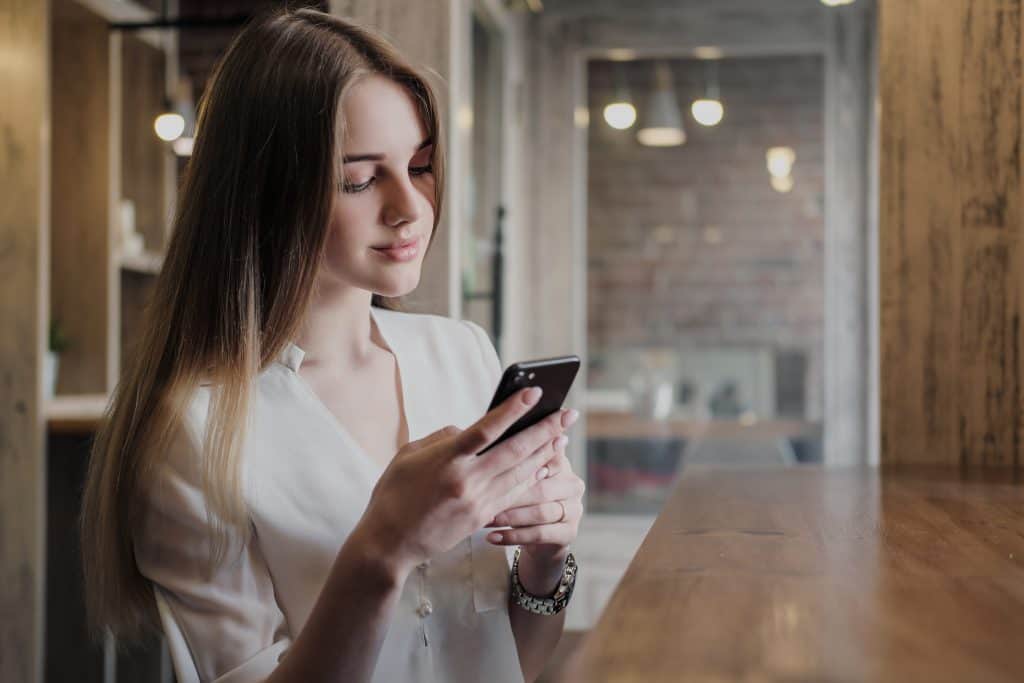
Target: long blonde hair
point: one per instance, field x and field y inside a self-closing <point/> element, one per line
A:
<point x="248" y="240"/>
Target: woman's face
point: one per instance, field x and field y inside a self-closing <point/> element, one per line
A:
<point x="385" y="194"/>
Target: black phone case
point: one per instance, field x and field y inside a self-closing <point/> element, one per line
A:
<point x="553" y="375"/>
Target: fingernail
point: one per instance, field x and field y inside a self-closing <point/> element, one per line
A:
<point x="532" y="395"/>
<point x="494" y="537"/>
<point x="542" y="472"/>
<point x="570" y="417"/>
<point x="561" y="441"/>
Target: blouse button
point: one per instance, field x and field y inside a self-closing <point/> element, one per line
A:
<point x="425" y="608"/>
<point x="423" y="565"/>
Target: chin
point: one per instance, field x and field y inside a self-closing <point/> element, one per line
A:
<point x="397" y="287"/>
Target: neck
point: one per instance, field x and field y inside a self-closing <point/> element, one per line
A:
<point x="336" y="332"/>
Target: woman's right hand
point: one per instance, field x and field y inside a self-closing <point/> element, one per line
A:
<point x="436" y="490"/>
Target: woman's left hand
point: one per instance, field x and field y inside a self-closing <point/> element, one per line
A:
<point x="538" y="523"/>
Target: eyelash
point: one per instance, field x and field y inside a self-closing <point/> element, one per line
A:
<point x="362" y="187"/>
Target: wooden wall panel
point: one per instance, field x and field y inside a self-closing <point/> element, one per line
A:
<point x="24" y="168"/>
<point x="950" y="260"/>
<point x="81" y="255"/>
<point x="142" y="152"/>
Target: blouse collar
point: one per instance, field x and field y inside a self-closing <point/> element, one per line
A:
<point x="291" y="355"/>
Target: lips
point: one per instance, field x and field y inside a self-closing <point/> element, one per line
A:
<point x="398" y="245"/>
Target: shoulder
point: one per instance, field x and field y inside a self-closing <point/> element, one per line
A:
<point x="448" y="340"/>
<point x="430" y="327"/>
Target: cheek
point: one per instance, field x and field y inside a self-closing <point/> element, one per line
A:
<point x="350" y="222"/>
<point x="426" y="188"/>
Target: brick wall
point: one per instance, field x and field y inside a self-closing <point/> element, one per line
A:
<point x="690" y="245"/>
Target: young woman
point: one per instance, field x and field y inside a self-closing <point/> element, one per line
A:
<point x="287" y="481"/>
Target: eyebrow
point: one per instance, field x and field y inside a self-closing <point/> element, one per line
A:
<point x="348" y="159"/>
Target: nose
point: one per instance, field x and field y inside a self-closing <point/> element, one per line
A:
<point x="403" y="203"/>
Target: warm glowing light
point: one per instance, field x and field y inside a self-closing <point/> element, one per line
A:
<point x="708" y="52"/>
<point x="183" y="146"/>
<point x="707" y="112"/>
<point x="169" y="126"/>
<point x="660" y="137"/>
<point x="836" y="3"/>
<point x="661" y="124"/>
<point x="621" y="54"/>
<point x="782" y="184"/>
<point x="465" y="117"/>
<point x="713" y="234"/>
<point x="581" y="117"/>
<point x="780" y="161"/>
<point x="620" y="115"/>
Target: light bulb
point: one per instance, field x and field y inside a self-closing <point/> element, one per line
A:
<point x="620" y="115"/>
<point x="782" y="184"/>
<point x="836" y="3"/>
<point x="169" y="126"/>
<point x="660" y="137"/>
<point x="780" y="161"/>
<point x="707" y="112"/>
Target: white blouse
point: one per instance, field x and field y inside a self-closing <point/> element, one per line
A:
<point x="306" y="483"/>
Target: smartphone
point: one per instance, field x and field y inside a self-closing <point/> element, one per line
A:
<point x="553" y="375"/>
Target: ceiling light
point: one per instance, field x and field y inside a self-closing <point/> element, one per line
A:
<point x="662" y="124"/>
<point x="782" y="184"/>
<point x="780" y="161"/>
<point x="661" y="137"/>
<point x="707" y="112"/>
<point x="169" y="126"/>
<point x="620" y="115"/>
<point x="836" y="3"/>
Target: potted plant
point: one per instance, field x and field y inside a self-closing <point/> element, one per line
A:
<point x="57" y="344"/>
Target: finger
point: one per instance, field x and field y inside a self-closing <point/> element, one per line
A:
<point x="488" y="428"/>
<point x="510" y="454"/>
<point x="564" y="487"/>
<point x="447" y="432"/>
<point x="558" y="464"/>
<point x="550" y="512"/>
<point x="548" y="534"/>
<point x="508" y="486"/>
<point x="505" y="492"/>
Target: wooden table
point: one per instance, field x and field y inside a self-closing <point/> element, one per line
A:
<point x="620" y="424"/>
<point x="812" y="574"/>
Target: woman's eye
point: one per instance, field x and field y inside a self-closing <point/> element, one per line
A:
<point x="353" y="188"/>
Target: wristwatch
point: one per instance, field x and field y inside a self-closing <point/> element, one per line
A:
<point x="549" y="605"/>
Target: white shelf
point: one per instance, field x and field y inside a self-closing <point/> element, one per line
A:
<point x="75" y="413"/>
<point x="147" y="262"/>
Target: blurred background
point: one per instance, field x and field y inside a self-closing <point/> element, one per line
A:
<point x="681" y="192"/>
